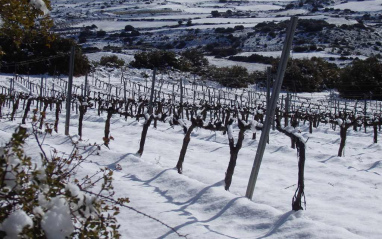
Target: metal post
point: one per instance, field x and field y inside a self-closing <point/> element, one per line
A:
<point x="271" y="110"/>
<point x="69" y="91"/>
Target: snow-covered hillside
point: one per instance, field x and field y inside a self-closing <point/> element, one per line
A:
<point x="353" y="28"/>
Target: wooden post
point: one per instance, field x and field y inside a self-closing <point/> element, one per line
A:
<point x="269" y="77"/>
<point x="364" y="114"/>
<point x="69" y="91"/>
<point x="45" y="89"/>
<point x="10" y="86"/>
<point x="41" y="85"/>
<point x="287" y="105"/>
<point x="86" y="85"/>
<point x="124" y="91"/>
<point x="152" y="93"/>
<point x="181" y="96"/>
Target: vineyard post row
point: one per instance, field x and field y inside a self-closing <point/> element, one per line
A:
<point x="253" y="100"/>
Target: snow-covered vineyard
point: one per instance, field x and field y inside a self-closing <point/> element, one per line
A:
<point x="162" y="132"/>
<point x="195" y="203"/>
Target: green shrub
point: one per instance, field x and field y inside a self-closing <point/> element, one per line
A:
<point x="300" y="48"/>
<point x="238" y="27"/>
<point x="254" y="58"/>
<point x="234" y="76"/>
<point x="129" y="28"/>
<point x="189" y="60"/>
<point x="28" y="56"/>
<point x="101" y="33"/>
<point x="192" y="60"/>
<point x="224" y="51"/>
<point x="289" y="6"/>
<point x="45" y="199"/>
<point x="215" y="13"/>
<point x="224" y="30"/>
<point x="304" y="25"/>
<point x="309" y="75"/>
<point x="363" y="78"/>
<point x="111" y="61"/>
<point x="158" y="59"/>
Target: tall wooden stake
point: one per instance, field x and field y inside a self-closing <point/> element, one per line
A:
<point x="124" y="91"/>
<point x="181" y="97"/>
<point x="41" y="82"/>
<point x="152" y="93"/>
<point x="69" y="91"/>
<point x="86" y="86"/>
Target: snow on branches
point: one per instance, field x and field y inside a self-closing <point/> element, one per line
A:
<point x="39" y="4"/>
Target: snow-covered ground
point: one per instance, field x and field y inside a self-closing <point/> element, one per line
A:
<point x="97" y="56"/>
<point x="251" y="67"/>
<point x="120" y="25"/>
<point x="343" y="194"/>
<point x="297" y="55"/>
<point x="361" y="6"/>
<point x="108" y="25"/>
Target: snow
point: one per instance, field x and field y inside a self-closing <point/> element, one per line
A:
<point x="119" y="25"/>
<point x="297" y="55"/>
<point x="176" y="16"/>
<point x="259" y="7"/>
<point x="231" y="20"/>
<point x="57" y="221"/>
<point x="255" y="21"/>
<point x="361" y="6"/>
<point x="73" y="189"/>
<point x="221" y="62"/>
<point x="204" y="10"/>
<point x="39" y="4"/>
<point x="343" y="193"/>
<point x="15" y="223"/>
<point x="291" y="12"/>
<point x="97" y="56"/>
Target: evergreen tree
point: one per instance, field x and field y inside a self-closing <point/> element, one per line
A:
<point x="362" y="79"/>
<point x="24" y="17"/>
<point x="26" y="40"/>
